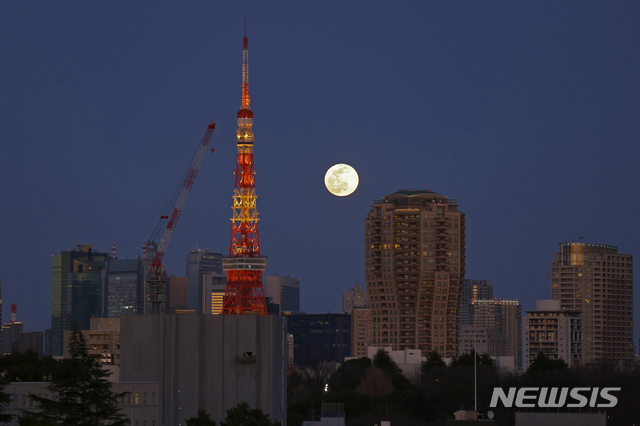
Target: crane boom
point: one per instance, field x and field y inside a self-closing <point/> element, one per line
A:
<point x="157" y="277"/>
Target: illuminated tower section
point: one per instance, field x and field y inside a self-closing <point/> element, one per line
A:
<point x="244" y="293"/>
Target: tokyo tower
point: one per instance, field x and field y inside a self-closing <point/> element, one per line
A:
<point x="244" y="293"/>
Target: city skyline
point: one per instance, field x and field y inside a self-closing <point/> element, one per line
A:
<point x="523" y="113"/>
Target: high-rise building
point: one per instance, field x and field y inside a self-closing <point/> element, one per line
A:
<point x="597" y="280"/>
<point x="414" y="266"/>
<point x="199" y="263"/>
<point x="283" y="291"/>
<point x="355" y="297"/>
<point x="215" y="285"/>
<point x="76" y="291"/>
<point x="506" y="316"/>
<point x="124" y="287"/>
<point x="10" y="336"/>
<point x="554" y="331"/>
<point x="472" y="290"/>
<point x="177" y="294"/>
<point x="102" y="339"/>
<point x="320" y="337"/>
<point x="360" y="331"/>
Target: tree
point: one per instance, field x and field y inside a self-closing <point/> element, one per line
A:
<point x="82" y="395"/>
<point x="349" y="375"/>
<point x="383" y="361"/>
<point x="242" y="415"/>
<point x="544" y="363"/>
<point x="202" y="419"/>
<point x="27" y="367"/>
<point x="375" y="383"/>
<point x="5" y="400"/>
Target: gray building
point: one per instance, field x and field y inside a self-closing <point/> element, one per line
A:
<point x="123" y="287"/>
<point x="199" y="263"/>
<point x="283" y="291"/>
<point x="506" y="316"/>
<point x="320" y="337"/>
<point x="212" y="362"/>
<point x="215" y="286"/>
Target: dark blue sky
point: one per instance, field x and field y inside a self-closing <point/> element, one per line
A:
<point x="526" y="113"/>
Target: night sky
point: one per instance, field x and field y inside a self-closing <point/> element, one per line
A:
<point x="526" y="113"/>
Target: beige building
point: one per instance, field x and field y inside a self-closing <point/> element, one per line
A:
<point x="414" y="267"/>
<point x="103" y="340"/>
<point x="554" y="331"/>
<point x="177" y="294"/>
<point x="597" y="280"/>
<point x="355" y="297"/>
<point x="360" y="331"/>
<point x="506" y="316"/>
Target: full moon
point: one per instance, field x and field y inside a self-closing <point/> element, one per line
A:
<point x="341" y="180"/>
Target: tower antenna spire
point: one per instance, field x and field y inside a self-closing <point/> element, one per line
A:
<point x="244" y="293"/>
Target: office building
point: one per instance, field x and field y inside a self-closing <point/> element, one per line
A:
<point x="414" y="267"/>
<point x="102" y="339"/>
<point x="124" y="287"/>
<point x="215" y="286"/>
<point x="283" y="291"/>
<point x="360" y="331"/>
<point x="213" y="362"/>
<point x="554" y="331"/>
<point x="177" y="294"/>
<point x="199" y="263"/>
<point x="598" y="281"/>
<point x="320" y="337"/>
<point x="472" y="290"/>
<point x="32" y="340"/>
<point x="76" y="291"/>
<point x="355" y="297"/>
<point x="10" y="335"/>
<point x="506" y="316"/>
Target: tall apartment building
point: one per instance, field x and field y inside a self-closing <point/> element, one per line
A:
<point x="76" y="291"/>
<point x="414" y="267"/>
<point x="355" y="297"/>
<point x="283" y="291"/>
<point x="597" y="280"/>
<point x="124" y="287"/>
<point x="200" y="262"/>
<point x="506" y="316"/>
<point x="360" y="331"/>
<point x="472" y="290"/>
<point x="554" y="331"/>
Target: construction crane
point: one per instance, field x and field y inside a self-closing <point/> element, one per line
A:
<point x="154" y="253"/>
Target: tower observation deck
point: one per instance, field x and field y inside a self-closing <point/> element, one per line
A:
<point x="244" y="293"/>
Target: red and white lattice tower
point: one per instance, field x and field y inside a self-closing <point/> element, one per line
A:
<point x="244" y="266"/>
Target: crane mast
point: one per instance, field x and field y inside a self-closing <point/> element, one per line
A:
<point x="153" y="252"/>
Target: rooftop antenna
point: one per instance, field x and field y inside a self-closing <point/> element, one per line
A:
<point x="579" y="239"/>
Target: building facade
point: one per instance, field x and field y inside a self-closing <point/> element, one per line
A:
<point x="483" y="340"/>
<point x="355" y="297"/>
<point x="76" y="291"/>
<point x="414" y="267"/>
<point x="283" y="291"/>
<point x="554" y="331"/>
<point x="360" y="331"/>
<point x="598" y="281"/>
<point x="505" y="315"/>
<point x="10" y="334"/>
<point x="472" y="290"/>
<point x="320" y="337"/>
<point x="102" y="339"/>
<point x="124" y="287"/>
<point x="33" y="340"/>
<point x="177" y="294"/>
<point x="199" y="263"/>
<point x="215" y="286"/>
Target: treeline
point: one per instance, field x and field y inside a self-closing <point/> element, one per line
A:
<point x="375" y="390"/>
